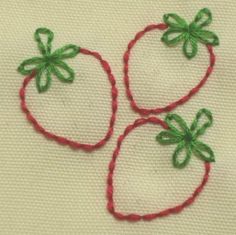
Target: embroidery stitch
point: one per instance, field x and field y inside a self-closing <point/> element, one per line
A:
<point x="187" y="138"/>
<point x="146" y="111"/>
<point x="50" y="63"/>
<point x="190" y="34"/>
<point x="111" y="205"/>
<point x="65" y="141"/>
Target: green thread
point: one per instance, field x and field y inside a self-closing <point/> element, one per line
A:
<point x="50" y="63"/>
<point x="191" y="33"/>
<point x="187" y="138"/>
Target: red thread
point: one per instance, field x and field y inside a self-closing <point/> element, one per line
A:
<point x="62" y="140"/>
<point x="173" y="105"/>
<point x="112" y="166"/>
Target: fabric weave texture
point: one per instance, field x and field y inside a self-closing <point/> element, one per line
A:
<point x="46" y="188"/>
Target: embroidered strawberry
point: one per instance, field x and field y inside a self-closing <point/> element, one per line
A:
<point x="42" y="68"/>
<point x="186" y="139"/>
<point x="177" y="31"/>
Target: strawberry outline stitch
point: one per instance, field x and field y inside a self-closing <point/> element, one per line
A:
<point x="49" y="59"/>
<point x="169" y="107"/>
<point x="111" y="205"/>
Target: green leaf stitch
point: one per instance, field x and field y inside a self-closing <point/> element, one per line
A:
<point x="190" y="34"/>
<point x="51" y="63"/>
<point x="187" y="138"/>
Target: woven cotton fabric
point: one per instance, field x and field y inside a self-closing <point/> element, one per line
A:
<point x="46" y="188"/>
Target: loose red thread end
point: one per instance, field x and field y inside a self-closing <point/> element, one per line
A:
<point x="65" y="141"/>
<point x="132" y="217"/>
<point x="172" y="105"/>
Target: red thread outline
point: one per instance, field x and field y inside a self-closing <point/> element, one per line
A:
<point x="173" y="105"/>
<point x="65" y="141"/>
<point x="112" y="165"/>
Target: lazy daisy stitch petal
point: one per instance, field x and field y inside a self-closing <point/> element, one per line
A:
<point x="191" y="33"/>
<point x="187" y="138"/>
<point x="177" y="30"/>
<point x="52" y="64"/>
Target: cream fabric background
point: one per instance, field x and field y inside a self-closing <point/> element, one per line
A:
<point x="46" y="188"/>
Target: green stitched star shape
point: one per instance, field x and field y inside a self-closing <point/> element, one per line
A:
<point x="187" y="138"/>
<point x="50" y="63"/>
<point x="190" y="34"/>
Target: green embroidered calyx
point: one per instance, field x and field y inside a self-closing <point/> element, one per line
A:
<point x="187" y="138"/>
<point x="51" y="63"/>
<point x="191" y="33"/>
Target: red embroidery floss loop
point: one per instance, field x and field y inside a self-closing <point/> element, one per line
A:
<point x="110" y="188"/>
<point x="173" y="105"/>
<point x="65" y="141"/>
